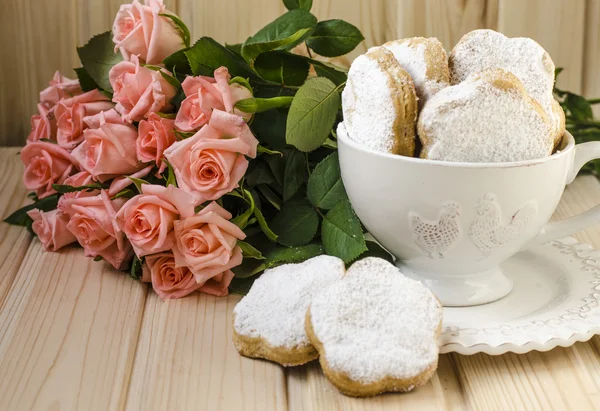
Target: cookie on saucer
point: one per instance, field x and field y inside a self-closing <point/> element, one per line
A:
<point x="379" y="103"/>
<point x="269" y="321"/>
<point x="375" y="330"/>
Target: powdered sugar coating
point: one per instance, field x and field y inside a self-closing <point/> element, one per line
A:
<point x="377" y="323"/>
<point x="426" y="61"/>
<point x="275" y="308"/>
<point x="484" y="49"/>
<point x="487" y="118"/>
<point x="379" y="102"/>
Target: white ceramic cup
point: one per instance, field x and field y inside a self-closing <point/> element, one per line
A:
<point x="451" y="224"/>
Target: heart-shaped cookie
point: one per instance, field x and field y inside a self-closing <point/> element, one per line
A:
<point x="375" y="330"/>
<point x="269" y="320"/>
<point x="487" y="118"/>
<point x="480" y="50"/>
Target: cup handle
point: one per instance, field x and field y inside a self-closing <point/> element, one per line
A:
<point x="558" y="229"/>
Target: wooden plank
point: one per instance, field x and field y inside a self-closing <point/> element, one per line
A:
<point x="558" y="27"/>
<point x="186" y="361"/>
<point x="68" y="331"/>
<point x="591" y="55"/>
<point x="446" y="20"/>
<point x="13" y="240"/>
<point x="228" y="21"/>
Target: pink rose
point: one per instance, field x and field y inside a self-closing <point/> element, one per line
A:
<point x="46" y="164"/>
<point x="70" y="112"/>
<point x="156" y="134"/>
<point x="93" y="221"/>
<point x="206" y="243"/>
<point x="82" y="178"/>
<point x="168" y="280"/>
<point x="51" y="228"/>
<point x="147" y="219"/>
<point x="205" y="94"/>
<point x="108" y="149"/>
<point x="141" y="30"/>
<point x="121" y="183"/>
<point x="218" y="285"/>
<point x="212" y="162"/>
<point x="60" y="87"/>
<point x="42" y="126"/>
<point x="139" y="91"/>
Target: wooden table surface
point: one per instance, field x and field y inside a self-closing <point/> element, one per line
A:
<point x="77" y="335"/>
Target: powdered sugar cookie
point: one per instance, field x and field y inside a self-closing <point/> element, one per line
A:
<point x="426" y="61"/>
<point x="379" y="103"/>
<point x="376" y="330"/>
<point x="483" y="49"/>
<point x="269" y="321"/>
<point x="489" y="117"/>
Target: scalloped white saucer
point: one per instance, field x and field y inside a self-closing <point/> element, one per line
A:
<point x="555" y="302"/>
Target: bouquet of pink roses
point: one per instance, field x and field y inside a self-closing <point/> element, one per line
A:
<point x="194" y="166"/>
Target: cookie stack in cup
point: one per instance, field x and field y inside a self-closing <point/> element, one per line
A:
<point x="489" y="101"/>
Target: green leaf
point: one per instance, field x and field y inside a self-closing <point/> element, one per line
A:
<point x="138" y="183"/>
<point x="296" y="224"/>
<point x="282" y="67"/>
<point x="98" y="57"/>
<point x="298" y="4"/>
<point x="170" y="79"/>
<point x="375" y="250"/>
<point x="579" y="107"/>
<point x="64" y="188"/>
<point x="125" y="193"/>
<point x="269" y="128"/>
<point x="242" y="220"/>
<point x="277" y="165"/>
<point x="325" y="187"/>
<point x="241" y="285"/>
<point x="284" y="32"/>
<point x="263" y="150"/>
<point x="241" y="81"/>
<point x="333" y="38"/>
<point x="259" y="174"/>
<point x="295" y="170"/>
<point x="85" y="81"/>
<point x="20" y="216"/>
<point x="249" y="251"/>
<point x="185" y="32"/>
<point x="171" y="179"/>
<point x="285" y="255"/>
<point x="236" y="48"/>
<point x="136" y="270"/>
<point x="342" y="234"/>
<point x="206" y="55"/>
<point x="312" y="114"/>
<point x="336" y="74"/>
<point x="98" y="258"/>
<point x="178" y="63"/>
<point x="270" y="196"/>
<point x="263" y="225"/>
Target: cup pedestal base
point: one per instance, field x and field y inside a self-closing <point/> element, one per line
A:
<point x="463" y="290"/>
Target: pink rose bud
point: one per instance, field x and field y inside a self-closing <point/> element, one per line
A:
<point x="205" y="94"/>
<point x="60" y="87"/>
<point x="156" y="134"/>
<point x="212" y="162"/>
<point x="206" y="243"/>
<point x="147" y="219"/>
<point x="42" y="125"/>
<point x="139" y="91"/>
<point x="108" y="149"/>
<point x="139" y="29"/>
<point x="46" y="164"/>
<point x="70" y="112"/>
<point x="93" y="221"/>
<point x="168" y="281"/>
<point x="51" y="228"/>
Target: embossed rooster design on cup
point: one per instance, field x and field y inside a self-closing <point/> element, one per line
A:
<point x="437" y="237"/>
